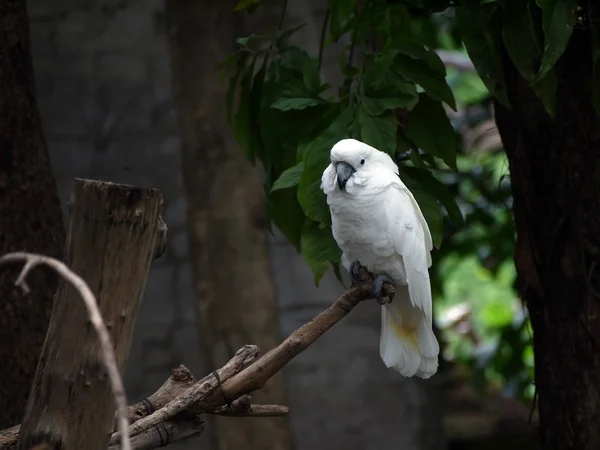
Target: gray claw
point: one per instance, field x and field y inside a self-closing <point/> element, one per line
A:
<point x="354" y="271"/>
<point x="378" y="288"/>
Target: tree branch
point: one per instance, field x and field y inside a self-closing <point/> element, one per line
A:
<point x="224" y="392"/>
<point x="166" y="433"/>
<point x="255" y="376"/>
<point x="106" y="345"/>
<point x="187" y="425"/>
<point x="205" y="396"/>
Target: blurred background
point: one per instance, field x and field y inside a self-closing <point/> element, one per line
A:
<point x="118" y="86"/>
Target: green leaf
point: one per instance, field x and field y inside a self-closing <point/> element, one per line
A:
<point x="233" y="84"/>
<point x="316" y="159"/>
<point x="479" y="27"/>
<point x="429" y="57"/>
<point x="425" y="179"/>
<point x="294" y="96"/>
<point x="310" y="76"/>
<point x="535" y="23"/>
<point x="285" y="211"/>
<point x="256" y="147"/>
<point x="294" y="58"/>
<point x="341" y="11"/>
<point x="289" y="178"/>
<point x="394" y="86"/>
<point x="378" y="132"/>
<point x="245" y="4"/>
<point x="318" y="248"/>
<point x="377" y="106"/>
<point x="433" y="82"/>
<point x="430" y="129"/>
<point x="518" y="38"/>
<point x="558" y="17"/>
<point x="242" y="126"/>
<point x="545" y="90"/>
<point x="495" y="314"/>
<point x="377" y="72"/>
<point x="285" y="104"/>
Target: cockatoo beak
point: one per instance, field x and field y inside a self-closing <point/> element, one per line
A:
<point x="344" y="172"/>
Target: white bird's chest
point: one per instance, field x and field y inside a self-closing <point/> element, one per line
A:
<point x="362" y="232"/>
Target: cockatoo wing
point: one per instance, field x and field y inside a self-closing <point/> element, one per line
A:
<point x="411" y="238"/>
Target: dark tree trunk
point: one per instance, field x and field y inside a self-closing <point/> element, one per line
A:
<point x="555" y="176"/>
<point x="226" y="215"/>
<point x="30" y="216"/>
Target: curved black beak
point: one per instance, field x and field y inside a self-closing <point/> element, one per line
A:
<point x="344" y="172"/>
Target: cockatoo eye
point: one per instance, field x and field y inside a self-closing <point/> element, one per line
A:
<point x="362" y="161"/>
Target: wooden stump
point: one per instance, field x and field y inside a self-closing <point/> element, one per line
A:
<point x="115" y="231"/>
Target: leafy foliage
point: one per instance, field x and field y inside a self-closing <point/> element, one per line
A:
<point x="399" y="97"/>
<point x="394" y="98"/>
<point x="534" y="33"/>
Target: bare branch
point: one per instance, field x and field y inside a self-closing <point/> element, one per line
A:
<point x="190" y="398"/>
<point x="180" y="381"/>
<point x="204" y="395"/>
<point x="186" y="425"/>
<point x="224" y="392"/>
<point x="255" y="411"/>
<point x="166" y="433"/>
<point x="255" y="376"/>
<point x="33" y="260"/>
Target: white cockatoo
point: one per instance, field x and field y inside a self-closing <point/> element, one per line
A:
<point x="378" y="224"/>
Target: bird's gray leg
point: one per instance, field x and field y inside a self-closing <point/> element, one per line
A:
<point x="354" y="272"/>
<point x="378" y="288"/>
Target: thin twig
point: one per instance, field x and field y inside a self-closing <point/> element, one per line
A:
<point x="255" y="411"/>
<point x="322" y="39"/>
<point x="32" y="260"/>
<point x="282" y="16"/>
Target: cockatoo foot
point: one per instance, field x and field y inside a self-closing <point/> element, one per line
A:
<point x="354" y="272"/>
<point x="378" y="288"/>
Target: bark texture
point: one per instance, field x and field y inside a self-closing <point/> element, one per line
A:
<point x="226" y="215"/>
<point x="113" y="235"/>
<point x="555" y="176"/>
<point x="30" y="215"/>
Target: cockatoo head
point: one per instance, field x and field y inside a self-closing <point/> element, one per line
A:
<point x="354" y="164"/>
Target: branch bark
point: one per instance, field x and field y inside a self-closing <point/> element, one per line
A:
<point x="112" y="240"/>
<point x="224" y="392"/>
<point x="186" y="425"/>
<point x="212" y="393"/>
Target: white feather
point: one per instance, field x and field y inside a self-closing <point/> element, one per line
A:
<point x="377" y="221"/>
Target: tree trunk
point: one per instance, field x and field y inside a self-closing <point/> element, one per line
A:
<point x="115" y="231"/>
<point x="30" y="215"/>
<point x="226" y="215"/>
<point x="555" y="175"/>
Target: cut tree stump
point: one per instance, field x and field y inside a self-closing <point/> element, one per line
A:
<point x="115" y="232"/>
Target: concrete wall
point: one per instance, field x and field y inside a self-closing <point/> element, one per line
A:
<point x="103" y="87"/>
